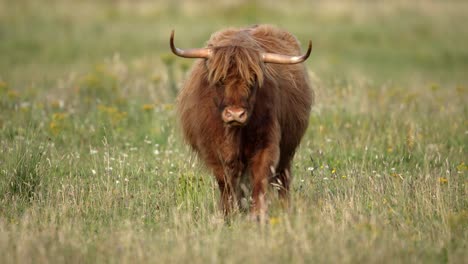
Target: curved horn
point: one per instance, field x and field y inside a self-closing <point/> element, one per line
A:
<point x="190" y="53"/>
<point x="285" y="59"/>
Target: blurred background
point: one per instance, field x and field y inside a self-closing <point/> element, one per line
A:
<point x="41" y="41"/>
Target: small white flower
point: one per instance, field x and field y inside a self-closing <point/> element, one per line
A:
<point x="117" y="182"/>
<point x="156" y="152"/>
<point x="94" y="172"/>
<point x="126" y="179"/>
<point x="25" y="104"/>
<point x="147" y="141"/>
<point x="310" y="168"/>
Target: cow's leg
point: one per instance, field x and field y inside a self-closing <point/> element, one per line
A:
<point x="243" y="193"/>
<point x="262" y="166"/>
<point x="284" y="177"/>
<point x="284" y="182"/>
<point x="226" y="196"/>
<point x="226" y="191"/>
<point x="228" y="180"/>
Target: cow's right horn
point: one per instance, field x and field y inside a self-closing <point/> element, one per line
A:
<point x="286" y="59"/>
<point x="190" y="53"/>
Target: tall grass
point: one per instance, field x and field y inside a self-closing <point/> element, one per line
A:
<point x="93" y="168"/>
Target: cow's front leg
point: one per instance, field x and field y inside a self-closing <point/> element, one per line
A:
<point x="263" y="165"/>
<point x="228" y="177"/>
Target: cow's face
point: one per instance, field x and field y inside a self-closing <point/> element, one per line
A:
<point x="235" y="66"/>
<point x="235" y="100"/>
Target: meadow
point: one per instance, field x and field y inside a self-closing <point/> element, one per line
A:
<point x="93" y="168"/>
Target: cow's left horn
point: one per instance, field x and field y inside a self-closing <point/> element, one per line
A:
<point x="190" y="53"/>
<point x="285" y="59"/>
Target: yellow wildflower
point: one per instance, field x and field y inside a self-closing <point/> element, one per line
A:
<point x="59" y="116"/>
<point x="57" y="123"/>
<point x="443" y="180"/>
<point x="3" y="85"/>
<point x="12" y="94"/>
<point x="148" y="107"/>
<point x="168" y="107"/>
<point x="113" y="113"/>
<point x="274" y="220"/>
<point x="462" y="167"/>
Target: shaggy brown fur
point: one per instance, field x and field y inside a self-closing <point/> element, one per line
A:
<point x="277" y="98"/>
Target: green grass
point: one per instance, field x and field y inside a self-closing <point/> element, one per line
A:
<point x="93" y="167"/>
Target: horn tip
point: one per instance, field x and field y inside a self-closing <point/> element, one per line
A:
<point x="309" y="50"/>
<point x="171" y="43"/>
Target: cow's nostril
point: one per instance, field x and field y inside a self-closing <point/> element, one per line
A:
<point x="242" y="117"/>
<point x="239" y="115"/>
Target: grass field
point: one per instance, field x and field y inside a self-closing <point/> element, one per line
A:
<point x="93" y="168"/>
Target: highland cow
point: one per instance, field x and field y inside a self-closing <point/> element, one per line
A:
<point x="244" y="109"/>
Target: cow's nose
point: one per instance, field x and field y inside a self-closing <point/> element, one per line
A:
<point x="234" y="115"/>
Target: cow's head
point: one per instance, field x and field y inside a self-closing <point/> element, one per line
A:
<point x="236" y="70"/>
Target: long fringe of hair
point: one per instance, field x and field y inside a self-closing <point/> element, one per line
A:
<point x="237" y="61"/>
